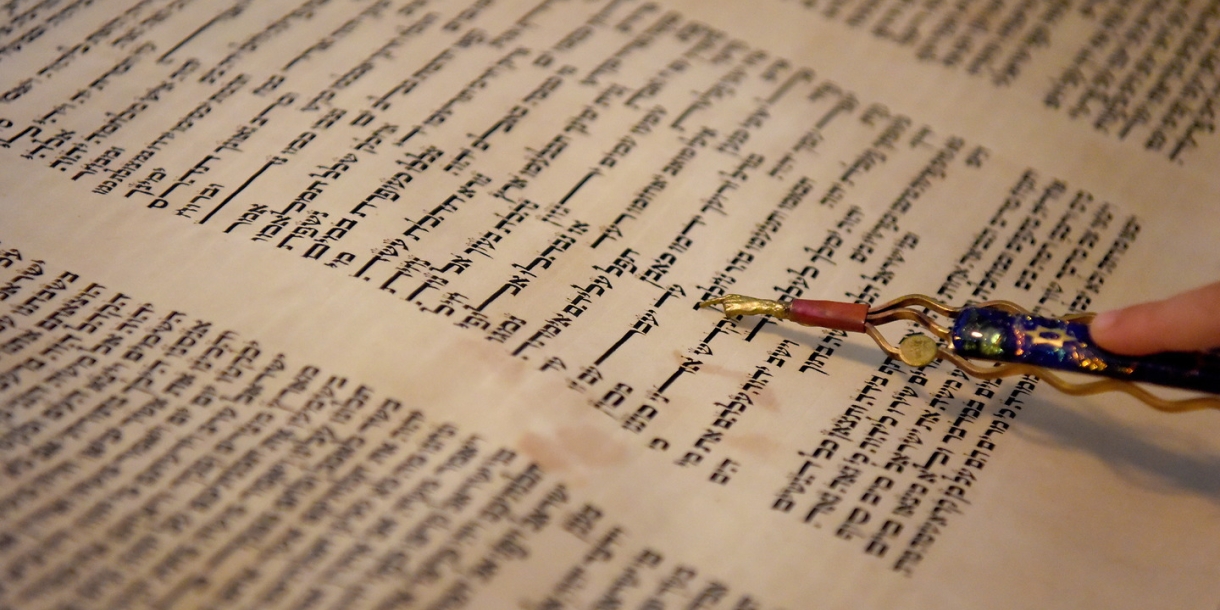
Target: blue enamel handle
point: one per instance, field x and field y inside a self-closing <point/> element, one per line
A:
<point x="992" y="334"/>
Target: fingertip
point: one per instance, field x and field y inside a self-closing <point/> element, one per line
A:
<point x="1104" y="323"/>
<point x="1184" y="322"/>
<point x="1131" y="331"/>
<point x="1103" y="330"/>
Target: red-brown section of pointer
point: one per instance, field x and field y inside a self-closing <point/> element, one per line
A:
<point x="829" y="314"/>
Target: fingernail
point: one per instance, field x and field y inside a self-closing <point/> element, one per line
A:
<point x="1103" y="322"/>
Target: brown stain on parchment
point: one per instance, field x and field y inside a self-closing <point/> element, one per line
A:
<point x="767" y="401"/>
<point x="760" y="445"/>
<point x="572" y="447"/>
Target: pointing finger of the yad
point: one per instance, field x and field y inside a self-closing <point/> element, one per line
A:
<point x="738" y="305"/>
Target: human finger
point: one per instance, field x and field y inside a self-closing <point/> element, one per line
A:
<point x="1189" y="321"/>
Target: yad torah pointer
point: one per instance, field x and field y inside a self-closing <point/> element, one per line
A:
<point x="1004" y="332"/>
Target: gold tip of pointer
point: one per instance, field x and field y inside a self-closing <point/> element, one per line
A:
<point x="739" y="305"/>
